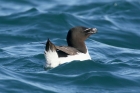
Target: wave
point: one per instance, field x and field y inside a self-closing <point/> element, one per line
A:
<point x="114" y="49"/>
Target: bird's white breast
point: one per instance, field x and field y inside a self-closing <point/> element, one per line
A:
<point x="53" y="60"/>
<point x="79" y="56"/>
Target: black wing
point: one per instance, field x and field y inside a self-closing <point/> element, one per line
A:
<point x="63" y="51"/>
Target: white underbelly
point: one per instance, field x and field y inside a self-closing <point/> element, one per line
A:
<point x="79" y="56"/>
<point x="52" y="59"/>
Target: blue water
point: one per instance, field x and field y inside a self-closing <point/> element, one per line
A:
<point x="25" y="25"/>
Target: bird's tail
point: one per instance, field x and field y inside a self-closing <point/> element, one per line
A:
<point x="51" y="55"/>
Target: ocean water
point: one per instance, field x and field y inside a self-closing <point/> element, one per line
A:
<point x="25" y="25"/>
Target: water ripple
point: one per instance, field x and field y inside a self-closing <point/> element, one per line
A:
<point x="26" y="25"/>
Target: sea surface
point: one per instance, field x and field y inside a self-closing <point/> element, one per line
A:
<point x="25" y="26"/>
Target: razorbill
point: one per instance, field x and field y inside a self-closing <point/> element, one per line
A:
<point x="76" y="49"/>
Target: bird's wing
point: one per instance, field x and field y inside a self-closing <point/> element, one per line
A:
<point x="67" y="50"/>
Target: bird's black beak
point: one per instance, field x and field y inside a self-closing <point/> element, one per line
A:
<point x="91" y="30"/>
